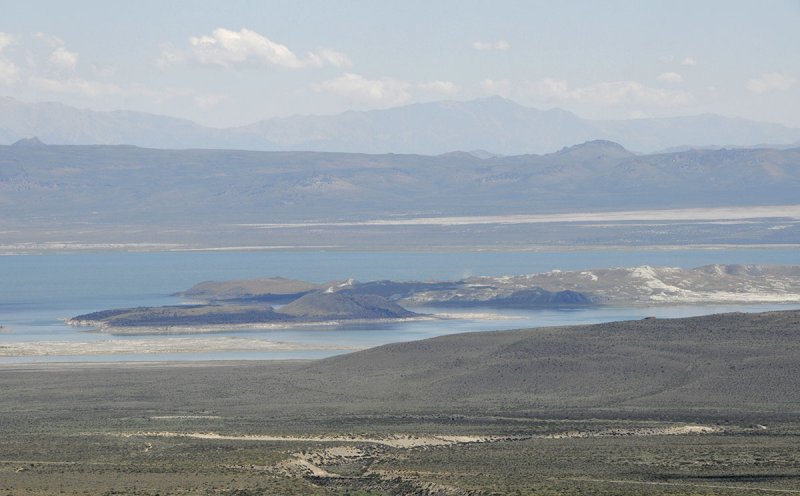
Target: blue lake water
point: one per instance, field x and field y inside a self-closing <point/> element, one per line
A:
<point x="37" y="291"/>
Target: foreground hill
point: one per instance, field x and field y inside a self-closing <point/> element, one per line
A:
<point x="719" y="366"/>
<point x="718" y="363"/>
<point x="705" y="405"/>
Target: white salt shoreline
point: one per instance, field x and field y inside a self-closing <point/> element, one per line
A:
<point x="103" y="328"/>
<point x="157" y="346"/>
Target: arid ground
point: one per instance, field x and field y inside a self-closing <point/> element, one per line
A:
<point x="707" y="405"/>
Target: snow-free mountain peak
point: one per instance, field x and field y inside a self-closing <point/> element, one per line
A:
<point x="33" y="141"/>
<point x="431" y="128"/>
<point x="595" y="149"/>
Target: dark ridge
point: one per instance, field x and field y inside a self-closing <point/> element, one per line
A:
<point x="28" y="142"/>
<point x="525" y="298"/>
<point x="320" y="306"/>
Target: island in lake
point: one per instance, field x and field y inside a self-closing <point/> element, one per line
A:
<point x="277" y="301"/>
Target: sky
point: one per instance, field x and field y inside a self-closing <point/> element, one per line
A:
<point x="229" y="63"/>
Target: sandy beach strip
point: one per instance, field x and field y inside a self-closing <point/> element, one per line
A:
<point x="101" y="327"/>
<point x="156" y="346"/>
<point x="714" y="214"/>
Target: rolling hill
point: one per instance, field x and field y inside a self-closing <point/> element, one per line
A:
<point x="701" y="363"/>
<point x="726" y="366"/>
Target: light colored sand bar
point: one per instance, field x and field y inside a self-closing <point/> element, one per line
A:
<point x="154" y="346"/>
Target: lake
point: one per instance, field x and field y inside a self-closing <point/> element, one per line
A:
<point x="38" y="291"/>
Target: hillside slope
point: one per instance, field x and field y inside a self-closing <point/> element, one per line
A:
<point x="728" y="366"/>
<point x="730" y="362"/>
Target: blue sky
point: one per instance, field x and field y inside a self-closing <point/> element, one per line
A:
<point x="235" y="62"/>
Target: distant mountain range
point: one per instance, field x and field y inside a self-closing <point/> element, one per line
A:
<point x="123" y="185"/>
<point x="494" y="124"/>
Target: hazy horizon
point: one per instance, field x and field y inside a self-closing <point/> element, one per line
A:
<point x="379" y="109"/>
<point x="234" y="64"/>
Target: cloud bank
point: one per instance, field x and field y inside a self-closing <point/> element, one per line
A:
<point x="609" y="93"/>
<point x="384" y="91"/>
<point x="499" y="45"/>
<point x="773" y="81"/>
<point x="226" y="48"/>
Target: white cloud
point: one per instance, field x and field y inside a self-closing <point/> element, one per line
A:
<point x="552" y="89"/>
<point x="95" y="89"/>
<point x="773" y="81"/>
<point x="9" y="74"/>
<point x="670" y="77"/>
<point x="75" y="85"/>
<point x="63" y="58"/>
<point x="41" y="66"/>
<point x="102" y="70"/>
<point x="326" y="56"/>
<point x="6" y="40"/>
<point x="171" y="56"/>
<point x="384" y="91"/>
<point x="443" y="87"/>
<point x="356" y="87"/>
<point x="500" y="45"/>
<point x="210" y="100"/>
<point x="610" y="93"/>
<point x="49" y="39"/>
<point x="690" y="61"/>
<point x="500" y="87"/>
<point x="228" y="48"/>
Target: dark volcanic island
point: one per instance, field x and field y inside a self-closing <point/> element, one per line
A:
<point x="250" y="302"/>
<point x="313" y="307"/>
<point x="277" y="301"/>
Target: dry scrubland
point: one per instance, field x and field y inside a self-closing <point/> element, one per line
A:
<point x="706" y="405"/>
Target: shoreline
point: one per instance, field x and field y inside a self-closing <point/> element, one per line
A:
<point x="443" y="313"/>
<point x="157" y="346"/>
<point x="47" y="248"/>
<point x="51" y="366"/>
<point x="102" y="328"/>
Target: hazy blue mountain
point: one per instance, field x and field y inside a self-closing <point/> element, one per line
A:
<point x="61" y="124"/>
<point x="502" y="126"/>
<point x="494" y="124"/>
<point x="490" y="125"/>
<point x="34" y="141"/>
<point x="115" y="185"/>
<point x="696" y="131"/>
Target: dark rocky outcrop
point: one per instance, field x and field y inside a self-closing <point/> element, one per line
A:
<point x="315" y="307"/>
<point x="333" y="305"/>
<point x="28" y="142"/>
